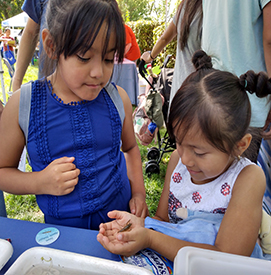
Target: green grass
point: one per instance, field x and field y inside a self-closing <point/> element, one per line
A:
<point x="25" y="207"/>
<point x="153" y="183"/>
<point x="31" y="74"/>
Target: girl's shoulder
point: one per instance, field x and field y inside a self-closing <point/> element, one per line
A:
<point x="11" y="109"/>
<point x="125" y="100"/>
<point x="237" y="166"/>
<point x="113" y="92"/>
<point x="124" y="96"/>
<point x="251" y="177"/>
<point x="174" y="160"/>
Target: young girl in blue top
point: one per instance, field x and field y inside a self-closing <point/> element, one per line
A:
<point x="209" y="118"/>
<point x="77" y="143"/>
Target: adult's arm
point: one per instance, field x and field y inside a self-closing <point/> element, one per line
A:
<point x="25" y="52"/>
<point x="162" y="42"/>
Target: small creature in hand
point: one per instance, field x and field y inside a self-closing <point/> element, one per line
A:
<point x="126" y="227"/>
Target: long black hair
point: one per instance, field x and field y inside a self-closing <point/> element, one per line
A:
<point x="192" y="7"/>
<point x="75" y="24"/>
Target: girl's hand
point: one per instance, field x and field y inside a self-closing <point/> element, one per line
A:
<point x="125" y="242"/>
<point x="138" y="205"/>
<point x="59" y="177"/>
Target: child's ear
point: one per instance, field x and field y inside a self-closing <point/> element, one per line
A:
<point x="243" y="144"/>
<point x="48" y="43"/>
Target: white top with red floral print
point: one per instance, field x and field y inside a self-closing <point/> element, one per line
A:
<point x="211" y="197"/>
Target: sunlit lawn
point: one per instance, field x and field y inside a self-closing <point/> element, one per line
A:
<point x="31" y="74"/>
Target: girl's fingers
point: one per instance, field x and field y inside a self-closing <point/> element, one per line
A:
<point x="64" y="160"/>
<point x="71" y="176"/>
<point x="116" y="214"/>
<point x="125" y="236"/>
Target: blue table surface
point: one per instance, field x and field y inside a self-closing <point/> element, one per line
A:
<point x="23" y="234"/>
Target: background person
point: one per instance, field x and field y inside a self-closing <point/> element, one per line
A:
<point x="241" y="41"/>
<point x="1" y="43"/>
<point x="187" y="26"/>
<point x="132" y="51"/>
<point x="8" y="44"/>
<point x="36" y="10"/>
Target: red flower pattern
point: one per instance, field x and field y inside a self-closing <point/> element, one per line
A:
<point x="196" y="197"/>
<point x="225" y="189"/>
<point x="177" y="177"/>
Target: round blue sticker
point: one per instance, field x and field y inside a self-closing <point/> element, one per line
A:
<point x="47" y="236"/>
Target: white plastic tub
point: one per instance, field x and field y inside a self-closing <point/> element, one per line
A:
<point x="43" y="260"/>
<point x="6" y="251"/>
<point x="191" y="261"/>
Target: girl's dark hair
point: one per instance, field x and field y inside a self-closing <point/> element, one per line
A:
<point x="75" y="24"/>
<point x="191" y="8"/>
<point x="217" y="101"/>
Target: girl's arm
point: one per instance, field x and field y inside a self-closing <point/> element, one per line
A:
<point x="58" y="178"/>
<point x="131" y="151"/>
<point x="162" y="42"/>
<point x="162" y="209"/>
<point x="239" y="228"/>
<point x="237" y="234"/>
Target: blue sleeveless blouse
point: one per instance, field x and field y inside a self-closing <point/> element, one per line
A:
<point x="89" y="131"/>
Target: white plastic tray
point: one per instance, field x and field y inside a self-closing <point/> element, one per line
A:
<point x="191" y="260"/>
<point x="44" y="260"/>
<point x="6" y="251"/>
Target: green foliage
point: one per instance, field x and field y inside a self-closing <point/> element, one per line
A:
<point x="143" y="30"/>
<point x="10" y="8"/>
<point x="23" y="208"/>
<point x="170" y="49"/>
<point x="134" y="10"/>
<point x="163" y="10"/>
<point x="155" y="10"/>
<point x="147" y="33"/>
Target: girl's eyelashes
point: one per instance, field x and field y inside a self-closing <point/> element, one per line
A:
<point x="109" y="60"/>
<point x="199" y="154"/>
<point x="82" y="58"/>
